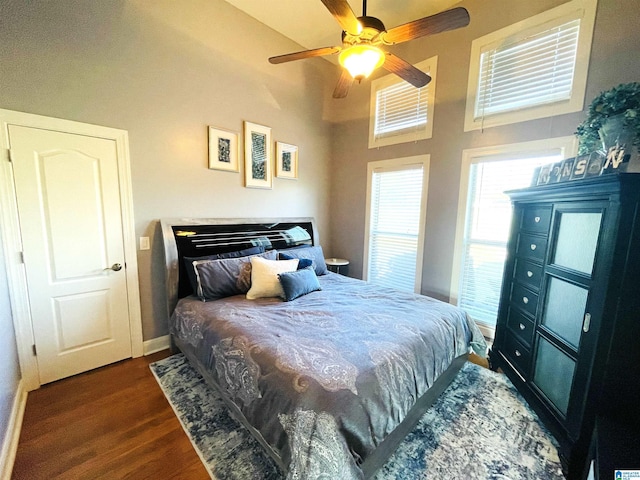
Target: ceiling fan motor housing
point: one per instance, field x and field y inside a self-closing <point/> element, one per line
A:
<point x="371" y="27"/>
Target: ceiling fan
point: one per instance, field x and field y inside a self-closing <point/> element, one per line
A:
<point x="363" y="37"/>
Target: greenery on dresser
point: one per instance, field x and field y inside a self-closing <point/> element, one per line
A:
<point x="623" y="100"/>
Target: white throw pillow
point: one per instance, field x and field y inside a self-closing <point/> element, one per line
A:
<point x="264" y="277"/>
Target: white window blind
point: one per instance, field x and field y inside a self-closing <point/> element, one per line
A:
<point x="400" y="109"/>
<point x="400" y="112"/>
<point x="531" y="71"/>
<point x="487" y="225"/>
<point x="394" y="227"/>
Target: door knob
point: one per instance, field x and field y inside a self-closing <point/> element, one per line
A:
<point x="116" y="267"/>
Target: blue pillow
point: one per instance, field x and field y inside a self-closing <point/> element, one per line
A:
<point x="302" y="262"/>
<point x="191" y="273"/>
<point x="314" y="254"/>
<point x="299" y="283"/>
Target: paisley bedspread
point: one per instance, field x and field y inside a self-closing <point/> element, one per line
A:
<point x="326" y="377"/>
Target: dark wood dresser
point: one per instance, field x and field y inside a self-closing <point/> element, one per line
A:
<point x="568" y="327"/>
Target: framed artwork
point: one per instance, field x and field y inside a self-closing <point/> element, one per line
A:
<point x="580" y="167"/>
<point x="596" y="162"/>
<point x="258" y="171"/>
<point x="567" y="169"/>
<point x="545" y="174"/>
<point x="554" y="174"/>
<point x="286" y="160"/>
<point x="223" y="150"/>
<point x="536" y="174"/>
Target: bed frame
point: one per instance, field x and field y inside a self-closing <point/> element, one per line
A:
<point x="196" y="237"/>
<point x="199" y="237"/>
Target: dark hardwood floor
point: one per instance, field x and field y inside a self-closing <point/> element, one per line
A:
<point x="113" y="422"/>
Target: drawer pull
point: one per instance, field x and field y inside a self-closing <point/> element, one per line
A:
<point x="525" y="300"/>
<point x="533" y="246"/>
<point x="522" y="327"/>
<point x="537" y="219"/>
<point x="587" y="322"/>
<point x="529" y="273"/>
<point x="518" y="354"/>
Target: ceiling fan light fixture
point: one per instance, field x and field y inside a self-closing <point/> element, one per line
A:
<point x="361" y="60"/>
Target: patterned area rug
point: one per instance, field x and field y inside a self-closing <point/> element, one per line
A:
<point x="479" y="428"/>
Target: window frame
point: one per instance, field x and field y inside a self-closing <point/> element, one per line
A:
<point x="585" y="11"/>
<point x="566" y="146"/>
<point x="390" y="165"/>
<point x="429" y="66"/>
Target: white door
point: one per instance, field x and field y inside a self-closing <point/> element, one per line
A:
<point x="68" y="198"/>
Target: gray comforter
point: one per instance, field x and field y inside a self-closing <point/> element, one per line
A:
<point x="325" y="378"/>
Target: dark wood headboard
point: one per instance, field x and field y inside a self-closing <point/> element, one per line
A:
<point x="197" y="237"/>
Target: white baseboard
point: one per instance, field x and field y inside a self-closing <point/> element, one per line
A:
<point x="155" y="345"/>
<point x="12" y="435"/>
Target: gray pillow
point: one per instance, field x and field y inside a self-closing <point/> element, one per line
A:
<point x="314" y="254"/>
<point x="225" y="277"/>
<point x="191" y="273"/>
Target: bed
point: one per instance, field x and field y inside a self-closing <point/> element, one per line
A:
<point x="329" y="382"/>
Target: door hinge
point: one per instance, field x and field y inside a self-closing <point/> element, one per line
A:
<point x="21" y="257"/>
<point x="33" y="349"/>
<point x="9" y="155"/>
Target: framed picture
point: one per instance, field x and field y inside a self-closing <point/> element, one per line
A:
<point x="223" y="150"/>
<point x="536" y="174"/>
<point x="594" y="167"/>
<point x="556" y="171"/>
<point x="580" y="167"/>
<point x="545" y="174"/>
<point x="258" y="171"/>
<point x="566" y="169"/>
<point x="286" y="160"/>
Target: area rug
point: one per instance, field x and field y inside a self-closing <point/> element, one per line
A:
<point x="479" y="428"/>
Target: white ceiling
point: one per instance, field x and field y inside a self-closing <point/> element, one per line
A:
<point x="309" y="23"/>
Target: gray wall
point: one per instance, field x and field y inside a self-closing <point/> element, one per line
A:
<point x="614" y="60"/>
<point x="164" y="70"/>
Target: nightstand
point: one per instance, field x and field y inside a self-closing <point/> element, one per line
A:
<point x="337" y="265"/>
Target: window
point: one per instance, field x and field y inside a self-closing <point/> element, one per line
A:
<point x="484" y="220"/>
<point x="396" y="207"/>
<point x="533" y="69"/>
<point x="401" y="112"/>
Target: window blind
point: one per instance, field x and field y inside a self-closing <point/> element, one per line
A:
<point x="487" y="224"/>
<point x="531" y="71"/>
<point x="400" y="108"/>
<point x="395" y="227"/>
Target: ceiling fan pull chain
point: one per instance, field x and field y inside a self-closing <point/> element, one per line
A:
<point x="364" y="8"/>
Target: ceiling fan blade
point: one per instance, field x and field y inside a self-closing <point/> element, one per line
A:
<point x="344" y="84"/>
<point x="405" y="70"/>
<point x="440" y="22"/>
<point x="316" y="52"/>
<point x="342" y="12"/>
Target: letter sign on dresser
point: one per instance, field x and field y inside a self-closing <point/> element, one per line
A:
<point x="568" y="332"/>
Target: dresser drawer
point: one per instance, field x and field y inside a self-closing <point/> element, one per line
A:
<point x="536" y="219"/>
<point x="517" y="354"/>
<point x="520" y="326"/>
<point x="524" y="299"/>
<point x="532" y="246"/>
<point x="528" y="273"/>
